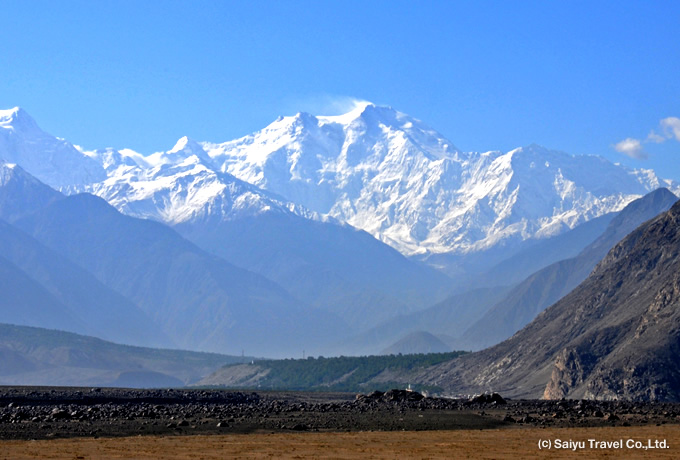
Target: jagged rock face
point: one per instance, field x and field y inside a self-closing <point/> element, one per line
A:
<point x="653" y="375"/>
<point x="616" y="336"/>
<point x="632" y="354"/>
<point x="567" y="373"/>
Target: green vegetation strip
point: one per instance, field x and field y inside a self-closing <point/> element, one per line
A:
<point x="344" y="373"/>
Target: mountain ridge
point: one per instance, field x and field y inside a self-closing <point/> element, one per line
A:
<point x="374" y="168"/>
<point x="548" y="285"/>
<point x="44" y="356"/>
<point x="613" y="337"/>
<point x="190" y="293"/>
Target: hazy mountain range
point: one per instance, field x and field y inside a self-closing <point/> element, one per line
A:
<point x="614" y="337"/>
<point x="358" y="233"/>
<point x="548" y="285"/>
<point x="35" y="356"/>
<point x="198" y="300"/>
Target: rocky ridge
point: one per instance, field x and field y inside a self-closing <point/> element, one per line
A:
<point x="613" y="337"/>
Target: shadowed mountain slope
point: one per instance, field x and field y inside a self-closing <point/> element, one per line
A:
<point x="22" y="193"/>
<point x="44" y="288"/>
<point x="543" y="253"/>
<point x="334" y="267"/>
<point x="417" y="342"/>
<point x="200" y="301"/>
<point x="447" y="320"/>
<point x="24" y="301"/>
<point x="616" y="336"/>
<point x="515" y="304"/>
<point x="550" y="284"/>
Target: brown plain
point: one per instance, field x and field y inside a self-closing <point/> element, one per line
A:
<point x="459" y="444"/>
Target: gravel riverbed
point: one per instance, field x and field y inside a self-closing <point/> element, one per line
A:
<point x="45" y="413"/>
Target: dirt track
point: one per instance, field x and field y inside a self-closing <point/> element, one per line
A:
<point x="505" y="443"/>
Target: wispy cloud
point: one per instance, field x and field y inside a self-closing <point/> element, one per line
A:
<point x="325" y="104"/>
<point x="339" y="105"/>
<point x="654" y="137"/>
<point x="669" y="128"/>
<point x="632" y="148"/>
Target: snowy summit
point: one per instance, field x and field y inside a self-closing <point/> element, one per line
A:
<point x="373" y="167"/>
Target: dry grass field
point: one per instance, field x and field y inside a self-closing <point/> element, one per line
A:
<point x="459" y="444"/>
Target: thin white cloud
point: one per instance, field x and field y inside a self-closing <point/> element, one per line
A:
<point x="671" y="127"/>
<point x="654" y="137"/>
<point x="632" y="148"/>
<point x="325" y="104"/>
<point x="341" y="105"/>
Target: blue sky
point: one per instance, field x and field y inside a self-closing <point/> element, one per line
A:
<point x="574" y="76"/>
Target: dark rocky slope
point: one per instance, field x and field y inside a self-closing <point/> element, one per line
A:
<point x="553" y="282"/>
<point x="616" y="336"/>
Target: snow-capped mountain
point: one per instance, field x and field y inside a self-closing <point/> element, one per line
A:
<point x="283" y="202"/>
<point x="391" y="175"/>
<point x="170" y="186"/>
<point x="178" y="186"/>
<point x="328" y="265"/>
<point x="54" y="161"/>
<point x="374" y="168"/>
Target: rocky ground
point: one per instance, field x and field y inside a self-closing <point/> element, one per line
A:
<point x="43" y="413"/>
